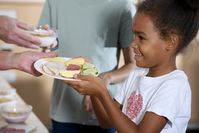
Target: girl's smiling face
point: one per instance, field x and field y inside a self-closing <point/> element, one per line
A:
<point x="150" y="49"/>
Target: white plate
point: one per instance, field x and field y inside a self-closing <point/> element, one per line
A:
<point x="38" y="66"/>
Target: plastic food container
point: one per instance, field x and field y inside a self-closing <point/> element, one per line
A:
<point x="47" y="36"/>
<point x="7" y="96"/>
<point x="15" y="112"/>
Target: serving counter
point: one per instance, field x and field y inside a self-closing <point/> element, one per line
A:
<point x="32" y="124"/>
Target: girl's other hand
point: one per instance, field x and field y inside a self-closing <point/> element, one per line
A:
<point x="106" y="78"/>
<point x="87" y="104"/>
<point x="89" y="85"/>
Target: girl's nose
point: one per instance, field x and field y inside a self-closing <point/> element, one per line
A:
<point x="134" y="45"/>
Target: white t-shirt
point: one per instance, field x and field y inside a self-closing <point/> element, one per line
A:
<point x="168" y="95"/>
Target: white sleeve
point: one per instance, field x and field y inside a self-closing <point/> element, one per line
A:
<point x="127" y="85"/>
<point x="168" y="100"/>
<point x="120" y="95"/>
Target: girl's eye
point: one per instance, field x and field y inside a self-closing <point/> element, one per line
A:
<point x="141" y="38"/>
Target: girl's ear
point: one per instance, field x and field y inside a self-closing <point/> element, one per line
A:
<point x="173" y="42"/>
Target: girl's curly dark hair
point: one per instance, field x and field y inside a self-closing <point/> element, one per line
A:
<point x="180" y="17"/>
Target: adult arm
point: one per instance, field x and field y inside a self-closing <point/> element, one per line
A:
<point x="14" y="31"/>
<point x="22" y="61"/>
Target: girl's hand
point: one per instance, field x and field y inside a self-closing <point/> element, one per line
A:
<point x="89" y="85"/>
<point x="106" y="78"/>
<point x="87" y="104"/>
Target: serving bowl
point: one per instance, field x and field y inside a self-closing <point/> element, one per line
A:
<point x="15" y="112"/>
<point x="47" y="36"/>
<point x="7" y="95"/>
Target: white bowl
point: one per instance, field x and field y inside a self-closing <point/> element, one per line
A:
<point x="16" y="113"/>
<point x="47" y="37"/>
<point x="47" y="41"/>
<point x="7" y="95"/>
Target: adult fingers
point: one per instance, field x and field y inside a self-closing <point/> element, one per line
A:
<point x="50" y="54"/>
<point x="24" y="25"/>
<point x="27" y="37"/>
<point x="15" y="39"/>
<point x="36" y="73"/>
<point x="54" y="44"/>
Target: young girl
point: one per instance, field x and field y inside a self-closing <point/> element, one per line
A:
<point x="157" y="96"/>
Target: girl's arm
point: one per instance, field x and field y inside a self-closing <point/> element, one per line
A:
<point x="120" y="74"/>
<point x="109" y="113"/>
<point x="114" y="76"/>
<point x="151" y="123"/>
<point x="101" y="114"/>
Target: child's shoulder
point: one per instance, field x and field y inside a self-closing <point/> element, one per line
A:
<point x="138" y="71"/>
<point x="177" y="79"/>
<point x="177" y="75"/>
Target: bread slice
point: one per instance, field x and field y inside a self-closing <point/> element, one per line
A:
<point x="76" y="61"/>
<point x="69" y="73"/>
<point x="53" y="68"/>
<point x="56" y="59"/>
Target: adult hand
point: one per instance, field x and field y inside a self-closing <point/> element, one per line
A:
<point x="14" y="31"/>
<point x="25" y="61"/>
<point x="49" y="48"/>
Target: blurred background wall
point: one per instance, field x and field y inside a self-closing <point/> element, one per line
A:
<point x="37" y="90"/>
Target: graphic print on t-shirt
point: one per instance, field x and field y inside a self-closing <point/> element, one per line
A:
<point x="134" y="105"/>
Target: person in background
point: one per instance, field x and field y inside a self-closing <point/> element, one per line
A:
<point x="157" y="96"/>
<point x="14" y="31"/>
<point x="98" y="30"/>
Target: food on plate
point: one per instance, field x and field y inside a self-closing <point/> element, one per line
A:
<point x="73" y="67"/>
<point x="76" y="61"/>
<point x="53" y="67"/>
<point x="59" y="66"/>
<point x="69" y="73"/>
<point x="56" y="59"/>
<point x="90" y="69"/>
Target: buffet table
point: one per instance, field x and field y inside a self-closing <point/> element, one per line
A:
<point x="32" y="124"/>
